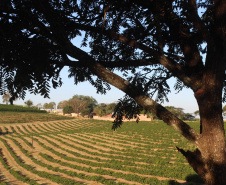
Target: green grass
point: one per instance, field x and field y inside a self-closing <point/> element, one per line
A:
<point x="19" y="108"/>
<point x="90" y="150"/>
<point x="134" y="152"/>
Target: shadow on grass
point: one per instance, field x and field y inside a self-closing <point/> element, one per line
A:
<point x="191" y="180"/>
<point x="5" y="133"/>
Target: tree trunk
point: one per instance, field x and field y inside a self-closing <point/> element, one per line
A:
<point x="209" y="160"/>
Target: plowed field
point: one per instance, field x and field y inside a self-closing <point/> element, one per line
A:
<point x="88" y="152"/>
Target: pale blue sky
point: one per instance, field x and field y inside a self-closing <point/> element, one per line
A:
<point x="183" y="99"/>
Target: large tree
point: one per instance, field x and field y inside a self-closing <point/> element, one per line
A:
<point x="51" y="105"/>
<point x="153" y="39"/>
<point x="77" y="104"/>
<point x="62" y="104"/>
<point x="89" y="105"/>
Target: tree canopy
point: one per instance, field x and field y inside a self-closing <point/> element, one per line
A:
<point x="29" y="103"/>
<point x="50" y="105"/>
<point x="103" y="109"/>
<point x="148" y="41"/>
<point x="180" y="113"/>
<point x="80" y="104"/>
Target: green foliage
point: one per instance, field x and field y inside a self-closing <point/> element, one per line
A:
<point x="196" y="113"/>
<point x="17" y="108"/>
<point x="103" y="109"/>
<point x="62" y="104"/>
<point x="91" y="103"/>
<point x="188" y="117"/>
<point x="100" y="109"/>
<point x="29" y="103"/>
<point x="180" y="113"/>
<point x="85" y="112"/>
<point x="50" y="105"/>
<point x="80" y="104"/>
<point x="68" y="110"/>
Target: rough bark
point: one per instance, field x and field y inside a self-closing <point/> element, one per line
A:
<point x="209" y="160"/>
<point x="212" y="144"/>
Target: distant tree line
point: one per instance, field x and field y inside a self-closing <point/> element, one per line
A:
<point x="177" y="111"/>
<point x="51" y="105"/>
<point x="87" y="105"/>
<point x="104" y="109"/>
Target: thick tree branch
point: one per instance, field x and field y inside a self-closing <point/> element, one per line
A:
<point x="137" y="95"/>
<point x="186" y="41"/>
<point x="171" y="65"/>
<point x="193" y="60"/>
<point x="108" y="64"/>
<point x="146" y="102"/>
<point x="198" y="24"/>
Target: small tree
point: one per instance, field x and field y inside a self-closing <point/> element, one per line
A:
<point x="68" y="110"/>
<point x="29" y="103"/>
<point x="6" y="98"/>
<point x="188" y="116"/>
<point x="39" y="105"/>
<point x="110" y="108"/>
<point x="52" y="105"/>
<point x="196" y="113"/>
<point x="62" y="104"/>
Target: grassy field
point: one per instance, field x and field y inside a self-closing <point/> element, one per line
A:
<point x="26" y="117"/>
<point x="82" y="151"/>
<point x="19" y="114"/>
